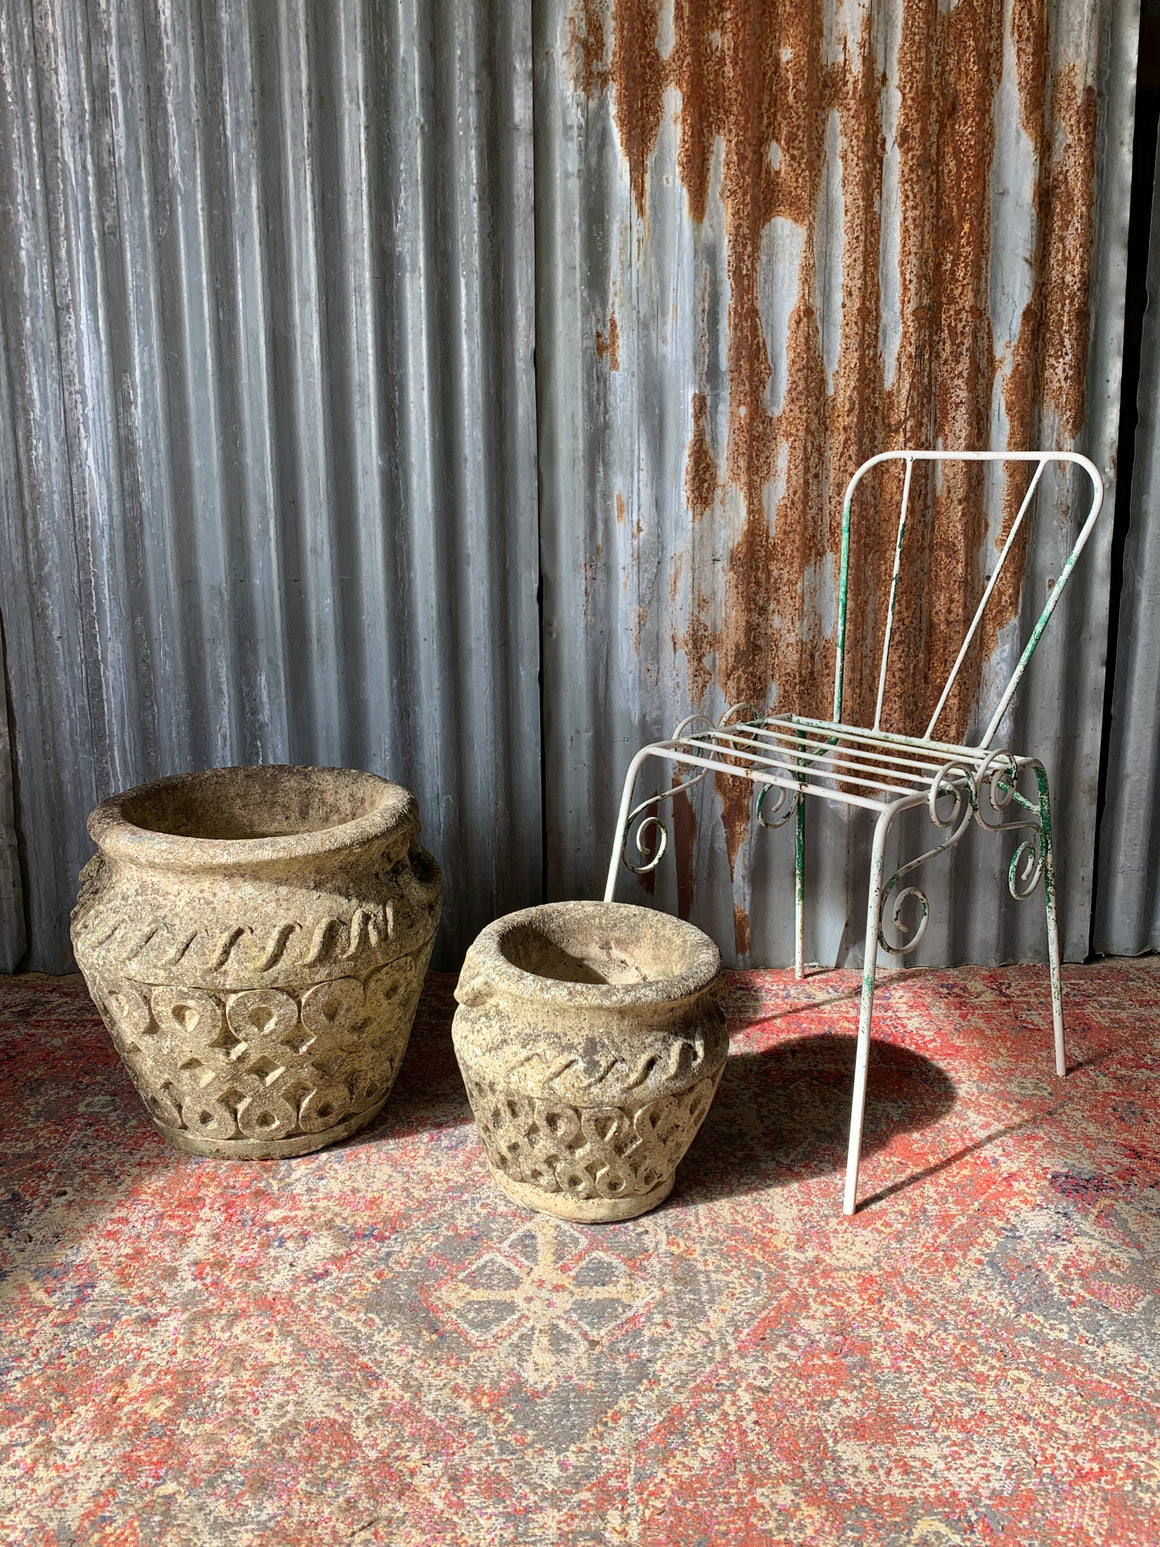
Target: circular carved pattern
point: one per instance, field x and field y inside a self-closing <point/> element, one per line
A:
<point x="263" y="1064"/>
<point x="264" y="1014"/>
<point x="186" y="1015"/>
<point x="266" y="1116"/>
<point x="129" y="1008"/>
<point x="206" y="1118"/>
<point x="334" y="1006"/>
<point x="323" y="1107"/>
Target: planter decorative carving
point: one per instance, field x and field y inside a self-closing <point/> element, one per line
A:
<point x="256" y="940"/>
<point x="591" y="1041"/>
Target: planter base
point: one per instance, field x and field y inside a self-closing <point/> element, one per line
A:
<point x="268" y="1149"/>
<point x="584" y="1211"/>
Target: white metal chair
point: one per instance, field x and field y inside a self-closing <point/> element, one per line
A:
<point x="884" y="772"/>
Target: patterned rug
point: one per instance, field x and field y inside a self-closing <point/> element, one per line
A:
<point x="371" y="1345"/>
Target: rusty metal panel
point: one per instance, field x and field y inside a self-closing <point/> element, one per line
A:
<point x="1128" y="894"/>
<point x="772" y="240"/>
<point x="269" y="474"/>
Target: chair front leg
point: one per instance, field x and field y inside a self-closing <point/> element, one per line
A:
<point x="1052" y="923"/>
<point x="866" y="1012"/>
<point x="799" y="891"/>
<point x="622" y="820"/>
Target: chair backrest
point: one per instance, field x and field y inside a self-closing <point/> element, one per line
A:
<point x="1041" y="459"/>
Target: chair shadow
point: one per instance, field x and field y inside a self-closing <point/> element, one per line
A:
<point x="747" y="1003"/>
<point x="783" y="1115"/>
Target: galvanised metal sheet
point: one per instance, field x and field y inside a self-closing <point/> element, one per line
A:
<point x="269" y="464"/>
<point x="1128" y="894"/>
<point x="773" y="239"/>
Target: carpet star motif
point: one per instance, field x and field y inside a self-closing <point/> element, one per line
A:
<point x="544" y="1300"/>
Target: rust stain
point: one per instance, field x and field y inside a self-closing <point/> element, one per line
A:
<point x="741" y="931"/>
<point x="700" y="467"/>
<point x="638" y="624"/>
<point x="1067" y="272"/>
<point x="684" y="838"/>
<point x="698" y="642"/>
<point x="736" y="795"/>
<point x="588" y="47"/>
<point x="619" y="508"/>
<point x="587" y="580"/>
<point x="608" y="344"/>
<point x="638" y="77"/>
<point x="948" y="80"/>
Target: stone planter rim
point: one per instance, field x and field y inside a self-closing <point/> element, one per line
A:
<point x="119" y="838"/>
<point x="701" y="970"/>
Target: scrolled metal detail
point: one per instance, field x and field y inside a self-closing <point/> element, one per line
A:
<point x="954" y="780"/>
<point x="897" y="919"/>
<point x="682" y="726"/>
<point x="1032" y="852"/>
<point x="784" y="807"/>
<point x="995" y="788"/>
<point x="996" y="791"/>
<point x="650" y="822"/>
<point x="735" y="709"/>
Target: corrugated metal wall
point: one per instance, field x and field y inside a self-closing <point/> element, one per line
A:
<point x="287" y="300"/>
<point x="1128" y="912"/>
<point x="773" y="239"/>
<point x="267" y="397"/>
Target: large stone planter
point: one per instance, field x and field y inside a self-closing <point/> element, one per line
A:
<point x="256" y="940"/>
<point x="591" y="1042"/>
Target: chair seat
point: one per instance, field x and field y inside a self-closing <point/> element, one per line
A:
<point x="837" y="761"/>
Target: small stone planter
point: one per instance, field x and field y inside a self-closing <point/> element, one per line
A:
<point x="256" y="940"/>
<point x="591" y="1042"/>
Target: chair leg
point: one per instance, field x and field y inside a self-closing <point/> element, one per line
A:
<point x="861" y="1062"/>
<point x="622" y="821"/>
<point x="799" y="891"/>
<point x="1052" y="924"/>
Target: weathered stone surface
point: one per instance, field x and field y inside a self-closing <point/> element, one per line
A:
<point x="256" y="940"/>
<point x="591" y="1042"/>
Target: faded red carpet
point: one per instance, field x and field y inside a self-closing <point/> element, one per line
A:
<point x="371" y="1345"/>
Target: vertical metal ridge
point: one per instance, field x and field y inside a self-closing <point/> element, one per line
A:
<point x="39" y="587"/>
<point x="1128" y="894"/>
<point x="258" y="569"/>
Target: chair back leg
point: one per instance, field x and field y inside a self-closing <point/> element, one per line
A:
<point x="866" y="1012"/>
<point x="1052" y="923"/>
<point x="799" y="891"/>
